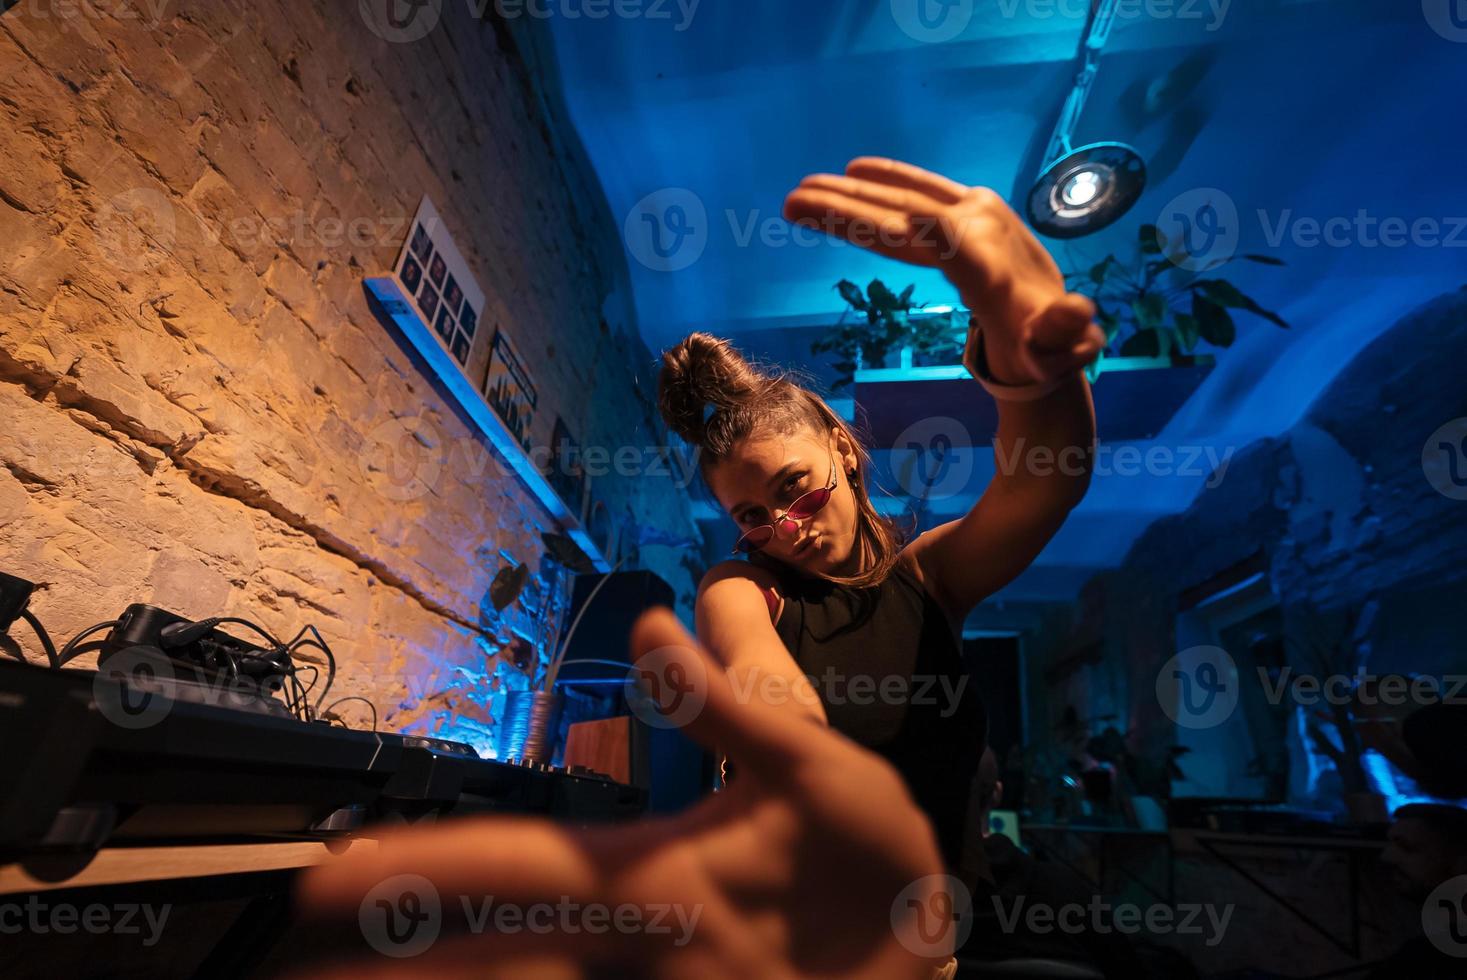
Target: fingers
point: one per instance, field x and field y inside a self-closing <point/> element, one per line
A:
<point x="882" y="230"/>
<point x="520" y="859"/>
<point x="899" y="199"/>
<point x="767" y="739"/>
<point x="900" y="174"/>
<point x="466" y="959"/>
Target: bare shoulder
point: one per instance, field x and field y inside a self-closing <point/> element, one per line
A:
<point x="718" y="584"/>
<point x="733" y="568"/>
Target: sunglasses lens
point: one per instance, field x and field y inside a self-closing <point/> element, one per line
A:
<point x="755" y="539"/>
<point x="809" y="504"/>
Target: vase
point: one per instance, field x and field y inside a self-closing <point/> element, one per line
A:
<point x="528" y="728"/>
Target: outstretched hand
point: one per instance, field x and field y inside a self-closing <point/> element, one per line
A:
<point x="813" y="862"/>
<point x="1034" y="331"/>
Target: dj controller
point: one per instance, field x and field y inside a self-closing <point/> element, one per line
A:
<point x="97" y="759"/>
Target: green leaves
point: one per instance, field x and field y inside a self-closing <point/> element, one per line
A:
<point x="852" y="294"/>
<point x="885" y="329"/>
<point x="1153" y="242"/>
<point x="1150" y="310"/>
<point x="882" y="298"/>
<point x="1214" y="324"/>
<point x="1225" y="294"/>
<point x="508" y="582"/>
<point x="1189" y="331"/>
<point x="1159" y="304"/>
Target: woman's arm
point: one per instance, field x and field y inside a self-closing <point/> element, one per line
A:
<point x="732" y="618"/>
<point x="1043" y="456"/>
<point x="1034" y="333"/>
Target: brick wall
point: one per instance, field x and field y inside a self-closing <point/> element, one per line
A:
<point x="197" y="407"/>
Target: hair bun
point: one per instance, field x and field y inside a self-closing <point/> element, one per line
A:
<point x="702" y="374"/>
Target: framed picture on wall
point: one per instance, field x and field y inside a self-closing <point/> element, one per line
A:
<point x="509" y="390"/>
<point x="566" y="470"/>
<point x="433" y="274"/>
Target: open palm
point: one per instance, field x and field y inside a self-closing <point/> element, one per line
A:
<point x="814" y="862"/>
<point x="1036" y="331"/>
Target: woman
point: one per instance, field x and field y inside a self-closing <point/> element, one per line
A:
<point x="829" y="590"/>
<point x="816" y="859"/>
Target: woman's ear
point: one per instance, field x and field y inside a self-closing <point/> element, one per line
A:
<point x="844" y="451"/>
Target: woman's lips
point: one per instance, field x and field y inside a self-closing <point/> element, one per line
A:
<point x="805" y="545"/>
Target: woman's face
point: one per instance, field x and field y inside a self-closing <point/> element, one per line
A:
<point x="764" y="475"/>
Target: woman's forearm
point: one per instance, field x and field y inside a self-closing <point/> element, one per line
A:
<point x="1045" y="447"/>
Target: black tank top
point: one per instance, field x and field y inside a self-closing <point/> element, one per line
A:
<point x="928" y="720"/>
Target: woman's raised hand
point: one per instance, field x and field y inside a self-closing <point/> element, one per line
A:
<point x="813" y="862"/>
<point x="1034" y="329"/>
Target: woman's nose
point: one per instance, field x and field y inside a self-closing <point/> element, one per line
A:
<point x="786" y="527"/>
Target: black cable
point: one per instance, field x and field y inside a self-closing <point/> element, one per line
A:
<point x="315" y="677"/>
<point x="319" y="643"/>
<point x="354" y="697"/>
<point x="275" y="645"/>
<point x="69" y="652"/>
<point x="43" y="636"/>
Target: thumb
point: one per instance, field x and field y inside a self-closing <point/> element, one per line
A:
<point x="1064" y="336"/>
<point x="692" y="691"/>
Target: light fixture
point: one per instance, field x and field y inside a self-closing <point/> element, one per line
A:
<point x="1081" y="190"/>
<point x="1086" y="190"/>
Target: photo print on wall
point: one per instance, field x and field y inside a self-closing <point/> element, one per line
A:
<point x="432" y="272"/>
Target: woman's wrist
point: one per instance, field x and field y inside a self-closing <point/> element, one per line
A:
<point x="1004" y="390"/>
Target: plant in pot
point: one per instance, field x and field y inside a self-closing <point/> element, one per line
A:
<point x="530" y="719"/>
<point x="867" y="340"/>
<point x="1156" y="307"/>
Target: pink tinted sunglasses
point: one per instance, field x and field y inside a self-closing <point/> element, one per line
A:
<point x="806" y="505"/>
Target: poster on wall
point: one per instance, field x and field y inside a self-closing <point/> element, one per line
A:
<point x="509" y="390"/>
<point x="434" y="276"/>
<point x="566" y="470"/>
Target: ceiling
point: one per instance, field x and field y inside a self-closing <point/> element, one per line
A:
<point x="1304" y="109"/>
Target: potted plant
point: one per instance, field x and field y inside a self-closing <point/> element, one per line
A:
<point x="1156" y="307"/>
<point x="866" y="342"/>
<point x="530" y="718"/>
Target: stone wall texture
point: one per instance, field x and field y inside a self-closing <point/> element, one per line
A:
<point x="199" y="410"/>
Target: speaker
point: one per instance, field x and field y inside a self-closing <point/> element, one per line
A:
<point x="678" y="770"/>
<point x="607" y="623"/>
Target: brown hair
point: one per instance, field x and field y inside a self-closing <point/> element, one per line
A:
<point x="704" y="371"/>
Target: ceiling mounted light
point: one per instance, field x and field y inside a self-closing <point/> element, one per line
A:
<point x="1082" y="190"/>
<point x="1087" y="190"/>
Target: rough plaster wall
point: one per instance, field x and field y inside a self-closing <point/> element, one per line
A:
<point x="197" y="407"/>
